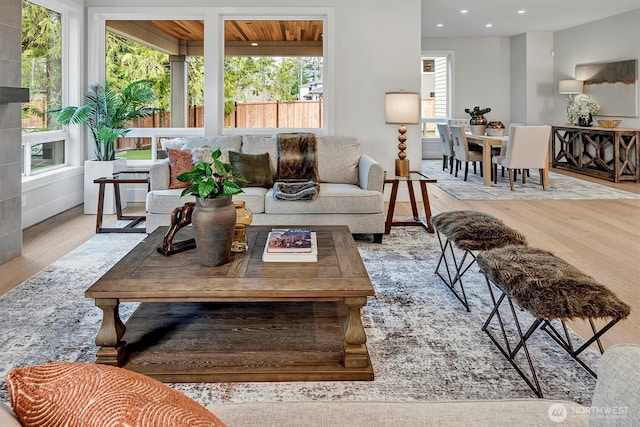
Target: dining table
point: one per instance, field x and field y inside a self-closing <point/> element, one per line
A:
<point x="488" y="141"/>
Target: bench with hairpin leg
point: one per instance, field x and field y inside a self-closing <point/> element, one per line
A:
<point x="465" y="232"/>
<point x="552" y="291"/>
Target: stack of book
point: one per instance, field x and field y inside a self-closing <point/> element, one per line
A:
<point x="291" y="245"/>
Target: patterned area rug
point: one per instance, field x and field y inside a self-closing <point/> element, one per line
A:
<point x="561" y="187"/>
<point x="422" y="343"/>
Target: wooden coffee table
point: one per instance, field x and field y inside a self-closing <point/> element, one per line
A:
<point x="243" y="321"/>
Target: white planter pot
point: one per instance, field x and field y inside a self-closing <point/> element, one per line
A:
<point x="94" y="169"/>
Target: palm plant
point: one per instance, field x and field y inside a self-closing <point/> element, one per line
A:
<point x="106" y="113"/>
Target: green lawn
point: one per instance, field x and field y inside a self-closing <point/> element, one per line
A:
<point x="135" y="155"/>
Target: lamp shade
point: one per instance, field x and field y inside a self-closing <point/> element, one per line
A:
<point x="570" y="87"/>
<point x="402" y="108"/>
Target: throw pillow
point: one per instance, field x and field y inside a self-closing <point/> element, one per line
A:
<point x="73" y="394"/>
<point x="338" y="159"/>
<point x="179" y="162"/>
<point x="254" y="167"/>
<point x="203" y="154"/>
<point x="253" y="144"/>
<point x="230" y="142"/>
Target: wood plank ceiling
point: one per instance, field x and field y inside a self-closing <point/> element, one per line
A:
<point x="242" y="37"/>
<point x="248" y="31"/>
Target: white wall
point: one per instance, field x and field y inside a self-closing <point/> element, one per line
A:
<point x="611" y="39"/>
<point x="518" y="83"/>
<point x="481" y="73"/>
<point x="531" y="86"/>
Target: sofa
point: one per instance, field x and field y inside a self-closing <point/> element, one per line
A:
<point x="350" y="193"/>
<point x="616" y="402"/>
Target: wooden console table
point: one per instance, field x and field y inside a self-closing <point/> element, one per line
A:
<point x="612" y="154"/>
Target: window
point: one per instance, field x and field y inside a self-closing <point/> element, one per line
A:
<point x="435" y="92"/>
<point x="273" y="74"/>
<point x="42" y="61"/>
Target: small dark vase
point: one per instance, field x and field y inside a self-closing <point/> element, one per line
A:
<point x="214" y="223"/>
<point x="584" y="121"/>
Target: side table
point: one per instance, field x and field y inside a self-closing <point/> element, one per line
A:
<point x="117" y="179"/>
<point x="423" y="180"/>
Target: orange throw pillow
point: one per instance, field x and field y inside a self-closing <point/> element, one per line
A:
<point x="180" y="161"/>
<point x="80" y="394"/>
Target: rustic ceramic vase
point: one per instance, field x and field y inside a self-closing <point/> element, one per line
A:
<point x="214" y="223"/>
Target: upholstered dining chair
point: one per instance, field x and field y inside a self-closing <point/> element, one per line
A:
<point x="463" y="123"/>
<point x="527" y="148"/>
<point x="503" y="146"/>
<point x="446" y="144"/>
<point x="462" y="152"/>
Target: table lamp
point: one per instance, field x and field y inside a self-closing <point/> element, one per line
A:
<point x="570" y="87"/>
<point x="402" y="108"/>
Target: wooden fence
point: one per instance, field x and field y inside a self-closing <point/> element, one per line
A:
<point x="288" y="114"/>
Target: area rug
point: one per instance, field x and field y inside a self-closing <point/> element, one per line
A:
<point x="561" y="187"/>
<point x="423" y="344"/>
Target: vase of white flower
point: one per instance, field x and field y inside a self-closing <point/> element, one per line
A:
<point x="580" y="111"/>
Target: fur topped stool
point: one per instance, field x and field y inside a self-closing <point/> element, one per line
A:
<point x="550" y="289"/>
<point x="468" y="231"/>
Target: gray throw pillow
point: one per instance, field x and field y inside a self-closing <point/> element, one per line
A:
<point x="254" y="167"/>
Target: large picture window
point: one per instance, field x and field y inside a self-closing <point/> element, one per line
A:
<point x="43" y="142"/>
<point x="273" y="73"/>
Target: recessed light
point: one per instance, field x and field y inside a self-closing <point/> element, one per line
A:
<point x="439" y="25"/>
<point x="522" y="12"/>
<point x="254" y="44"/>
<point x="464" y="11"/>
<point x="489" y="25"/>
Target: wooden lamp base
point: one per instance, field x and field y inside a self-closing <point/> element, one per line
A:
<point x="402" y="167"/>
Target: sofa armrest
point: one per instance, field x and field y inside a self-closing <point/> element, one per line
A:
<point x="371" y="175"/>
<point x="7" y="417"/>
<point x="159" y="175"/>
<point x="616" y="399"/>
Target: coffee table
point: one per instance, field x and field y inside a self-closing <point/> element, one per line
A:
<point x="243" y="321"/>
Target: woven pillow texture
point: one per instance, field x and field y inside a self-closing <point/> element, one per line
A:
<point x="79" y="394"/>
<point x="179" y="162"/>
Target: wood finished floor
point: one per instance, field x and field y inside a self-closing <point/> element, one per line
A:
<point x="600" y="237"/>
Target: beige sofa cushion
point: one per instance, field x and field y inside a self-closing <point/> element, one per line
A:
<point x="7" y="417"/>
<point x="338" y="159"/>
<point x="332" y="199"/>
<point x="252" y="144"/>
<point x="464" y="413"/>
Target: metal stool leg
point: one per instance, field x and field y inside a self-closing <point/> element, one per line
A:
<point x="506" y="350"/>
<point x="460" y="268"/>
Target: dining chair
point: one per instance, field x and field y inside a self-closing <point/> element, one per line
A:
<point x="446" y="144"/>
<point x="503" y="147"/>
<point x="463" y="123"/>
<point x="462" y="152"/>
<point x="527" y="148"/>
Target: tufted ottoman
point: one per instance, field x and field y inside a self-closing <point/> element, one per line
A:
<point x="468" y="231"/>
<point x="549" y="289"/>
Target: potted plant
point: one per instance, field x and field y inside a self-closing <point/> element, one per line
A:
<point x="478" y="122"/>
<point x="214" y="216"/>
<point x="106" y="113"/>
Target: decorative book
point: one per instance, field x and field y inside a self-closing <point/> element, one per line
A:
<point x="289" y="240"/>
<point x="292" y="256"/>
